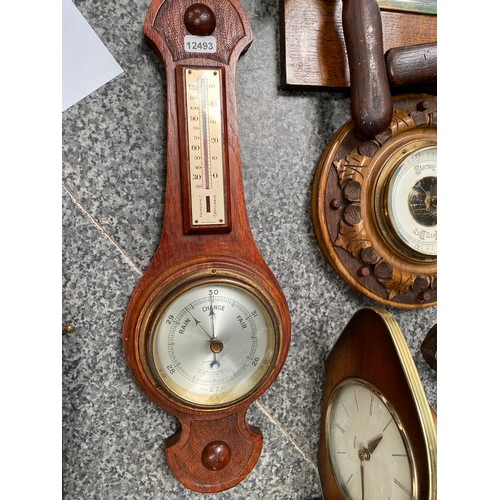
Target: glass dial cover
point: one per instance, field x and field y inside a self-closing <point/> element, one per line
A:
<point x="368" y="450"/>
<point x="411" y="201"/>
<point x="213" y="344"/>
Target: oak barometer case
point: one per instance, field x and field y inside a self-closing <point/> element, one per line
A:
<point x="208" y="328"/>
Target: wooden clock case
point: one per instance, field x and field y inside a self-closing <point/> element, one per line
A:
<point x="372" y="348"/>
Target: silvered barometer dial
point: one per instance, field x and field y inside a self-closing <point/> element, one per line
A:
<point x="212" y="344"/>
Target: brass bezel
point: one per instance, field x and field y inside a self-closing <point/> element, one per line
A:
<point x="360" y="381"/>
<point x="390" y="168"/>
<point x="373" y="202"/>
<point x="187" y="282"/>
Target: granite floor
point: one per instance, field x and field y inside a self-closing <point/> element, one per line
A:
<point x="113" y="197"/>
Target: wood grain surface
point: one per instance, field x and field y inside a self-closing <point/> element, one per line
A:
<point x="313" y="52"/>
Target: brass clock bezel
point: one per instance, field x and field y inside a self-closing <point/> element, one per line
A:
<point x="348" y="211"/>
<point x="360" y="381"/>
<point x="175" y="289"/>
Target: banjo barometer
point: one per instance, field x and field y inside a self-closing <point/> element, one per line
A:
<point x="207" y="329"/>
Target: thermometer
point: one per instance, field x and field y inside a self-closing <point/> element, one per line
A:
<point x="207" y="186"/>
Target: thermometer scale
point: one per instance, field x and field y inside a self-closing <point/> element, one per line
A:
<point x="207" y="189"/>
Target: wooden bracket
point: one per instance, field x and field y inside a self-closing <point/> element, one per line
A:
<point x="313" y="52"/>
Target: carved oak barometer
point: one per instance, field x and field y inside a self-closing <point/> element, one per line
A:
<point x="375" y="206"/>
<point x="207" y="329"/>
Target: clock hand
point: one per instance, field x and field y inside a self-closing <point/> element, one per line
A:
<point x="363" y="455"/>
<point x="362" y="480"/>
<point x="374" y="443"/>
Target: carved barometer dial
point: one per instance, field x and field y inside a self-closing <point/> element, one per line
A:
<point x="374" y="206"/>
<point x="207" y="329"/>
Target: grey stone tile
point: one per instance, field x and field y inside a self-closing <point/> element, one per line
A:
<point x="119" y="176"/>
<point x="282" y="471"/>
<point x="120" y="28"/>
<point x="113" y="140"/>
<point x="119" y="25"/>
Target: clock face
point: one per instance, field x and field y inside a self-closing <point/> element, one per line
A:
<point x="368" y="451"/>
<point x="212" y="344"/>
<point x="412" y="200"/>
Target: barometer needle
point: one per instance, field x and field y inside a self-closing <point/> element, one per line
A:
<point x="423" y="189"/>
<point x="215" y="345"/>
<point x="212" y="314"/>
<point x="198" y="323"/>
<point x="215" y="362"/>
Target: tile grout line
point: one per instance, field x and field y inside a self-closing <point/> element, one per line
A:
<point x="280" y="427"/>
<point x="99" y="227"/>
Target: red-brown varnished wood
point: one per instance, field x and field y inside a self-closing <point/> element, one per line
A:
<point x="213" y="449"/>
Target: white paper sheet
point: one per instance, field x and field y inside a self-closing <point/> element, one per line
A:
<point x="86" y="62"/>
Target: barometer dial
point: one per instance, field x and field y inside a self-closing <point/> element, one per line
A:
<point x="212" y="344"/>
<point x="422" y="201"/>
<point x="411" y="200"/>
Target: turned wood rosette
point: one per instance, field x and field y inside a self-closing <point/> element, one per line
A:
<point x="350" y="207"/>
